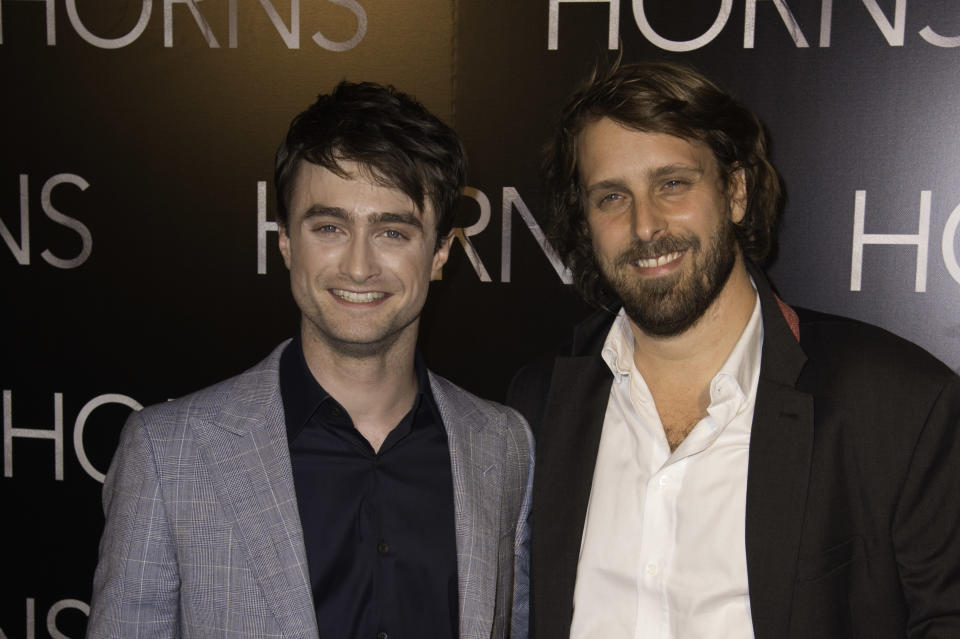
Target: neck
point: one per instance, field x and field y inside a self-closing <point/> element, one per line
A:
<point x="696" y="355"/>
<point x="377" y="388"/>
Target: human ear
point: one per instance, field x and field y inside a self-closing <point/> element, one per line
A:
<point x="284" y="244"/>
<point x="440" y="256"/>
<point x="737" y="195"/>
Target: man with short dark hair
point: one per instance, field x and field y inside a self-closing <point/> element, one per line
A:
<point x="338" y="488"/>
<point x="712" y="463"/>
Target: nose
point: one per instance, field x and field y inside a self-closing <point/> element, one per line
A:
<point x="359" y="261"/>
<point x="646" y="219"/>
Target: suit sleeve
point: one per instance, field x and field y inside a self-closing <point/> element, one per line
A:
<point x="136" y="584"/>
<point x="926" y="521"/>
<point x="520" y="617"/>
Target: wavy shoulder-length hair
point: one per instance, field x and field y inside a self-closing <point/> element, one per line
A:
<point x="657" y="97"/>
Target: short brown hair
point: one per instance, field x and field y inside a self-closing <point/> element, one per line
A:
<point x="385" y="131"/>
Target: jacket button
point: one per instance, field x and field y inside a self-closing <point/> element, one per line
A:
<point x="383" y="549"/>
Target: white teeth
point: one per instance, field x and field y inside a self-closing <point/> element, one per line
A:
<point x="658" y="261"/>
<point x="358" y="298"/>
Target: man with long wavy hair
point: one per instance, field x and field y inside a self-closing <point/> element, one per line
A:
<point x="712" y="463"/>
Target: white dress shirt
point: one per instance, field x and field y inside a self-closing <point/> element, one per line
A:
<point x="663" y="553"/>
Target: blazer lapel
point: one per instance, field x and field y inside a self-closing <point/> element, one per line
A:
<point x="475" y="463"/>
<point x="246" y="452"/>
<point x="566" y="456"/>
<point x="781" y="445"/>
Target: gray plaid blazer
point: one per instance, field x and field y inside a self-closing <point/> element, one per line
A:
<point x="203" y="537"/>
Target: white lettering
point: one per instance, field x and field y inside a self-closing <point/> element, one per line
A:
<point x="31" y="616"/>
<point x="86" y="238"/>
<point x="80" y="424"/>
<point x="56" y="608"/>
<point x="232" y="24"/>
<point x="21" y="251"/>
<point x="892" y="32"/>
<point x="826" y="22"/>
<point x="107" y="43"/>
<point x="921" y="240"/>
<point x="354" y="7"/>
<point x="197" y="17"/>
<point x="464" y="234"/>
<point x="56" y="434"/>
<point x="750" y="23"/>
<point x="937" y="40"/>
<point x="291" y="36"/>
<point x="613" y="22"/>
<point x="263" y="227"/>
<point x="512" y="199"/>
<point x="948" y="242"/>
<point x="639" y="15"/>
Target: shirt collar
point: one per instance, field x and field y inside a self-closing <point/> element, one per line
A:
<point x="736" y="377"/>
<point x="618" y="347"/>
<point x="302" y="394"/>
<point x="735" y="382"/>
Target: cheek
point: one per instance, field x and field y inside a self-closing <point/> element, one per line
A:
<point x="607" y="239"/>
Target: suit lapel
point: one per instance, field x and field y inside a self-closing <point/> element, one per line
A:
<point x="475" y="462"/>
<point x="566" y="456"/>
<point x="781" y="445"/>
<point x="245" y="449"/>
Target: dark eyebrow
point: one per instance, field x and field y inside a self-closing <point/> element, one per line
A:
<point x="663" y="171"/>
<point x="406" y="218"/>
<point x="387" y="217"/>
<point x="660" y="172"/>
<point x="318" y="210"/>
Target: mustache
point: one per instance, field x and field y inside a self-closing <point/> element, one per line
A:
<point x="646" y="249"/>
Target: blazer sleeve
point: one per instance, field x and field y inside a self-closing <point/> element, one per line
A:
<point x="136" y="584"/>
<point x="520" y="617"/>
<point x="926" y="521"/>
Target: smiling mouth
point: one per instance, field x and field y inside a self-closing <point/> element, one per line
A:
<point x="660" y="260"/>
<point x="358" y="298"/>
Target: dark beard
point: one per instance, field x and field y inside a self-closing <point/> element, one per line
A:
<point x="668" y="306"/>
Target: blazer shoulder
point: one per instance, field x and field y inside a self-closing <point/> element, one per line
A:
<point x="853" y="346"/>
<point x="253" y="387"/>
<point x="449" y="396"/>
<point x="530" y="387"/>
<point x="872" y="380"/>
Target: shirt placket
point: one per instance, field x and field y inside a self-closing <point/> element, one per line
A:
<point x="657" y="549"/>
<point x="657" y="506"/>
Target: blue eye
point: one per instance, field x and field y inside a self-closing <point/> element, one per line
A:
<point x="393" y="234"/>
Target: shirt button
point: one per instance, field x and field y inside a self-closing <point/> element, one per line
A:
<point x="664" y="480"/>
<point x="383" y="549"/>
<point x="652" y="569"/>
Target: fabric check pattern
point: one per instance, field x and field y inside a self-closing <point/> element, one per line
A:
<point x="203" y="536"/>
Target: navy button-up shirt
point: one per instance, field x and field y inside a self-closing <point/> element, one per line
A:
<point x="378" y="526"/>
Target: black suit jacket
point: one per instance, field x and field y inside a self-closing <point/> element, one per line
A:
<point x="853" y="483"/>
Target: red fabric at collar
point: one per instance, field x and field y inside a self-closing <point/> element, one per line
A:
<point x="791" y="316"/>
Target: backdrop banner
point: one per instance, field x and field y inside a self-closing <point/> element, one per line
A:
<point x="139" y="259"/>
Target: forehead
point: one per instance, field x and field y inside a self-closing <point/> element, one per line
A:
<point x="606" y="148"/>
<point x="359" y="190"/>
